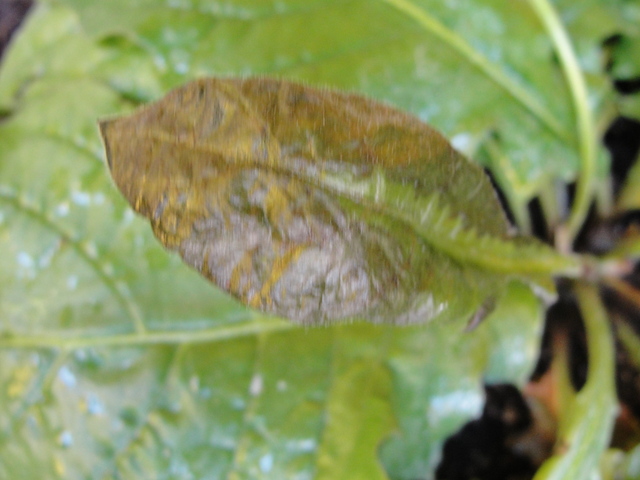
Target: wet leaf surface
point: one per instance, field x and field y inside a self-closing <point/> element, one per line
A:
<point x="488" y="77"/>
<point x="117" y="361"/>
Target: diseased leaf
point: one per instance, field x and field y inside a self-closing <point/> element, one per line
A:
<point x="486" y="74"/>
<point x="118" y="362"/>
<point x="312" y="204"/>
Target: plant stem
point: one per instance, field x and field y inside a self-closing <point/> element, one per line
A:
<point x="585" y="428"/>
<point x="625" y="290"/>
<point x="585" y="125"/>
<point x="473" y="56"/>
<point x="550" y="206"/>
<point x="516" y="192"/>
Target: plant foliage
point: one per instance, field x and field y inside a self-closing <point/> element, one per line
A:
<point x="120" y="362"/>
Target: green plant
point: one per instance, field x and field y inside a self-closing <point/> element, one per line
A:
<point x="120" y="362"/>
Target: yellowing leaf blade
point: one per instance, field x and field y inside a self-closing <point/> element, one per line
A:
<point x="313" y="204"/>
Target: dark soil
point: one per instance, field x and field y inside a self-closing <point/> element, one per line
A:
<point x="510" y="440"/>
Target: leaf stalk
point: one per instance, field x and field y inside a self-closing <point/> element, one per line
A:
<point x="585" y="431"/>
<point x="492" y="71"/>
<point x="584" y="119"/>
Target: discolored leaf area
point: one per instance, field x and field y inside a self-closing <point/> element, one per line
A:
<point x="306" y="203"/>
<point x="119" y="362"/>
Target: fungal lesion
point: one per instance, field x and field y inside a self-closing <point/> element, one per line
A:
<point x="279" y="266"/>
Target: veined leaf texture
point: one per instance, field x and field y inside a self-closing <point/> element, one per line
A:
<point x="313" y="204"/>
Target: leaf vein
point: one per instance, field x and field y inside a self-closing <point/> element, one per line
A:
<point x="491" y="70"/>
<point x="118" y="289"/>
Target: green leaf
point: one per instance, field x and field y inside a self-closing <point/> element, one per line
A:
<point x="54" y="49"/>
<point x="631" y="342"/>
<point x="625" y="64"/>
<point x="624" y="55"/>
<point x="625" y="58"/>
<point x="629" y="197"/>
<point x="630" y="469"/>
<point x="59" y="47"/>
<point x="587" y="420"/>
<point x="428" y="409"/>
<point x="118" y="362"/>
<point x="629" y="106"/>
<point x="508" y="324"/>
<point x="361" y="416"/>
<point x="488" y="71"/>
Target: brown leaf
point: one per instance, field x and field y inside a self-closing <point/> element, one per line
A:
<point x="281" y="195"/>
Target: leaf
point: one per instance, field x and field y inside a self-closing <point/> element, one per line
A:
<point x="486" y="72"/>
<point x="357" y="420"/>
<point x="588" y="418"/>
<point x="629" y="197"/>
<point x="631" y="343"/>
<point x="629" y="106"/>
<point x="313" y="205"/>
<point x="625" y="63"/>
<point x="119" y="362"/>
<point x="625" y="48"/>
<point x="630" y="468"/>
<point x="430" y="409"/>
<point x="59" y="48"/>
<point x="623" y="59"/>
